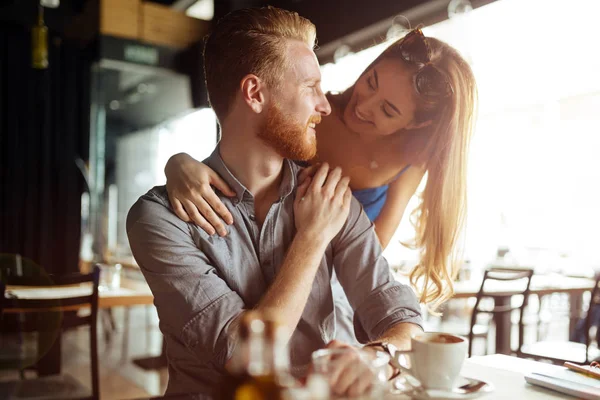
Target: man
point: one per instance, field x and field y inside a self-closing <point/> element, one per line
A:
<point x="263" y="80"/>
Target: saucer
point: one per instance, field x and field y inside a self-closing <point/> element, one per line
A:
<point x="463" y="382"/>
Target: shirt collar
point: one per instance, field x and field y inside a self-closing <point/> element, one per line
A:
<point x="288" y="183"/>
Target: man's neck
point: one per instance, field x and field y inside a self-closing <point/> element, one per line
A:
<point x="255" y="164"/>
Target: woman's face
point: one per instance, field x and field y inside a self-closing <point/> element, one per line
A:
<point x="383" y="100"/>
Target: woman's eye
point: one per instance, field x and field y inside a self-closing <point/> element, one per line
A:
<point x="370" y="83"/>
<point x="387" y="114"/>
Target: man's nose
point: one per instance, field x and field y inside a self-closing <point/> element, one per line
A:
<point x="323" y="106"/>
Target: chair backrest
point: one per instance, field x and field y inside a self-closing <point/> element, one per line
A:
<point x="2" y="290"/>
<point x="594" y="302"/>
<point x="43" y="309"/>
<point x="502" y="276"/>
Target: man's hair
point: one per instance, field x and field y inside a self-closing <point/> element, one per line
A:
<point x="250" y="41"/>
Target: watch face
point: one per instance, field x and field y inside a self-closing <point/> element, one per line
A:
<point x="385" y="347"/>
<point x="391" y="349"/>
<point x="388" y="348"/>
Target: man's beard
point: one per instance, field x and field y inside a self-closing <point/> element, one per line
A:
<point x="287" y="136"/>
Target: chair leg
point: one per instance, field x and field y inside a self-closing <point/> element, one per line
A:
<point x="109" y="325"/>
<point x="106" y="327"/>
<point x="125" y="344"/>
<point x="541" y="325"/>
<point x="470" y="350"/>
<point x="148" y="322"/>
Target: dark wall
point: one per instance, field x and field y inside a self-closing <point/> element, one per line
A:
<point x="336" y="19"/>
<point x="24" y="12"/>
<point x="44" y="129"/>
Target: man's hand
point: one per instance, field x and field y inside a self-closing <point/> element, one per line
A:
<point x="308" y="172"/>
<point x="350" y="374"/>
<point x="322" y="204"/>
<point x="321" y="208"/>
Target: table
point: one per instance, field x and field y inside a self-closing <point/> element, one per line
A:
<point x="130" y="293"/>
<point x="540" y="285"/>
<point x="506" y="373"/>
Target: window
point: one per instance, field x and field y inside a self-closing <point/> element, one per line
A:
<point x="141" y="158"/>
<point x="534" y="167"/>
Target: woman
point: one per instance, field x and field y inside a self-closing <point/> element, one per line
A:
<point x="409" y="113"/>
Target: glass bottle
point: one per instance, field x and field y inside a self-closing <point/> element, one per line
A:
<point x="259" y="368"/>
<point x="39" y="43"/>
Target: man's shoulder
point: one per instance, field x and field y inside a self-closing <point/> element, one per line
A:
<point x="152" y="206"/>
<point x="357" y="225"/>
<point x="357" y="212"/>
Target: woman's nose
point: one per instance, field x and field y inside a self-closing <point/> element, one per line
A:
<point x="365" y="105"/>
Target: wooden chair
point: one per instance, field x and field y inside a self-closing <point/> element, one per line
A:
<point x="461" y="326"/>
<point x="2" y="290"/>
<point x="48" y="317"/>
<point x="499" y="274"/>
<point x="559" y="352"/>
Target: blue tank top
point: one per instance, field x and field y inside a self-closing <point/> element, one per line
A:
<point x="373" y="199"/>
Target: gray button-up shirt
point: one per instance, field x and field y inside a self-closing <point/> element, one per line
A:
<point x="202" y="283"/>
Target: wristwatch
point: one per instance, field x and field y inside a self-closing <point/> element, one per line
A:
<point x="390" y="349"/>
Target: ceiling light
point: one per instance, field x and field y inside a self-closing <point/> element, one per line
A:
<point x="50" y="3"/>
<point x="459" y="7"/>
<point x="341" y="52"/>
<point x="202" y="9"/>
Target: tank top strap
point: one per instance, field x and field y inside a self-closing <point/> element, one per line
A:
<point x="400" y="173"/>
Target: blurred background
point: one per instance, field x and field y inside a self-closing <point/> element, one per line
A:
<point x="96" y="95"/>
<point x="89" y="133"/>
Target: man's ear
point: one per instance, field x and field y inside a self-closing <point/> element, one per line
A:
<point x="418" y="125"/>
<point x="253" y="92"/>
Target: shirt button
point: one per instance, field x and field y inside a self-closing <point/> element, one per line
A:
<point x="252" y="217"/>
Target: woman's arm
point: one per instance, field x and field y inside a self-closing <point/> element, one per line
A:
<point x="189" y="184"/>
<point x="399" y="193"/>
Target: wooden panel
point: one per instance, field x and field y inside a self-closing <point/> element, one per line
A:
<point x="120" y="18"/>
<point x="167" y="27"/>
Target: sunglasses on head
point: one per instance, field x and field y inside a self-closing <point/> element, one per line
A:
<point x="429" y="80"/>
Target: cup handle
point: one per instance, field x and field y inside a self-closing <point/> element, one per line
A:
<point x="405" y="372"/>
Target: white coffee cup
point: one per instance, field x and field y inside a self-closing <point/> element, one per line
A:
<point x="436" y="359"/>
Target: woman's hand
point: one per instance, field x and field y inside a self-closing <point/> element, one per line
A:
<point x="192" y="197"/>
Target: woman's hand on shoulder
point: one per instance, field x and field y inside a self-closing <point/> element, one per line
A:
<point x="190" y="188"/>
<point x="307" y="172"/>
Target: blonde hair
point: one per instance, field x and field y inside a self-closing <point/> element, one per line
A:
<point x="442" y="148"/>
<point x="441" y="216"/>
<point x="250" y="41"/>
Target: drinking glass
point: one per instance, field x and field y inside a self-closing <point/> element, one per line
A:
<point x="110" y="277"/>
<point x="367" y="364"/>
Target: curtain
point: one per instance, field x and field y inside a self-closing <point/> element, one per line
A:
<point x="44" y="129"/>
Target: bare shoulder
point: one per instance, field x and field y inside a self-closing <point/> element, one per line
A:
<point x="414" y="172"/>
<point x="406" y="185"/>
